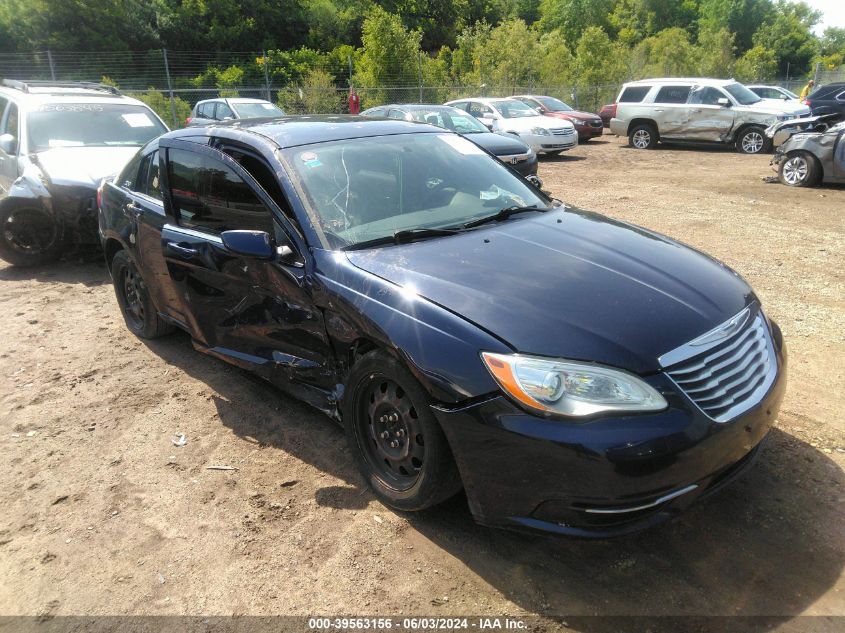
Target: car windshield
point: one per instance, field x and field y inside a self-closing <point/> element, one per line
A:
<point x="360" y="190"/>
<point x="554" y="105"/>
<point x="91" y="124"/>
<point x="256" y="110"/>
<point x="454" y="120"/>
<point x="513" y="109"/>
<point x="742" y="94"/>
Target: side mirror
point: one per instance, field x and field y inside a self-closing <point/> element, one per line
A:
<point x="254" y="244"/>
<point x="8" y="144"/>
<point x="541" y="109"/>
<point x="535" y="180"/>
<point x="723" y="101"/>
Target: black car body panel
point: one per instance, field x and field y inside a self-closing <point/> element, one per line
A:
<point x="594" y="270"/>
<point x="828" y="99"/>
<point x="563" y="283"/>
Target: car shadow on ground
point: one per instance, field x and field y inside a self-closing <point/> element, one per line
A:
<point x="87" y="269"/>
<point x="766" y="545"/>
<point x="562" y="158"/>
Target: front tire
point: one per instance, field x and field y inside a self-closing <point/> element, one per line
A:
<point x="29" y="236"/>
<point x="138" y="310"/>
<point x="396" y="441"/>
<point x="799" y="169"/>
<point x="752" y="140"/>
<point x="643" y="136"/>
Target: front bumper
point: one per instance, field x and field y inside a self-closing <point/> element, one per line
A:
<point x="606" y="477"/>
<point x="550" y="143"/>
<point x="586" y="132"/>
<point x="525" y="164"/>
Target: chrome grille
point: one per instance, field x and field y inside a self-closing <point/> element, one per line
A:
<point x="733" y="373"/>
<point x="562" y="131"/>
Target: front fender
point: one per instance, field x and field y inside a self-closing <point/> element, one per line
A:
<point x="440" y="347"/>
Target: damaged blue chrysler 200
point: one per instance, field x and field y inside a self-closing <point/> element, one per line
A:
<point x="572" y="373"/>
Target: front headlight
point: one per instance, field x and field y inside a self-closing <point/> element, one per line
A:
<point x="570" y="388"/>
<point x="579" y="122"/>
<point x="540" y="131"/>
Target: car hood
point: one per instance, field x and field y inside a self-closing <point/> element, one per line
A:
<point x="775" y="106"/>
<point x="570" y="284"/>
<point x="85" y="166"/>
<point x="499" y="144"/>
<point x="573" y="114"/>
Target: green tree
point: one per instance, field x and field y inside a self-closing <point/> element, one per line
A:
<point x="740" y="17"/>
<point x="789" y="34"/>
<point x="389" y="61"/>
<point x="669" y="53"/>
<point x="574" y="17"/>
<point x="160" y="104"/>
<point x="756" y="64"/>
<point x="316" y="95"/>
<point x="715" y="53"/>
<point x="511" y="53"/>
<point x="556" y="61"/>
<point x="637" y="19"/>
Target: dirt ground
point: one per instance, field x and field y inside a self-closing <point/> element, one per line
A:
<point x="103" y="514"/>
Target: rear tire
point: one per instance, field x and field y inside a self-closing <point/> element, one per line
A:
<point x="29" y="235"/>
<point x="643" y="136"/>
<point x="397" y="443"/>
<point x="138" y="311"/>
<point x="799" y="169"/>
<point x="752" y="140"/>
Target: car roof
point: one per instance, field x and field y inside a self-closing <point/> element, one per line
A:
<point x="292" y="131"/>
<point x="40" y="96"/>
<point x="671" y="80"/>
<point x="417" y="106"/>
<point x="234" y="100"/>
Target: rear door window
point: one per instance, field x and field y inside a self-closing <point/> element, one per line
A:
<point x="634" y="94"/>
<point x="150" y="184"/>
<point x="672" y="94"/>
<point x="208" y="195"/>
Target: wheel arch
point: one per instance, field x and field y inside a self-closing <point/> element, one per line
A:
<point x="111" y="247"/>
<point x="643" y="121"/>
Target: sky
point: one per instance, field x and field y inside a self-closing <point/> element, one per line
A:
<point x="834" y="13"/>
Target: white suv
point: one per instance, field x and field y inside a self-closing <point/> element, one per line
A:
<point x="698" y="110"/>
<point x="543" y="134"/>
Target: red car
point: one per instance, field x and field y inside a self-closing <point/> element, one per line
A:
<point x="587" y="124"/>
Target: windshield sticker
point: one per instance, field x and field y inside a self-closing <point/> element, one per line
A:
<point x="459" y="143"/>
<point x="138" y="119"/>
<point x="70" y="107"/>
<point x="310" y="159"/>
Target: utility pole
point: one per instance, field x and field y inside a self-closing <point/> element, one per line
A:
<point x="52" y="68"/>
<point x="419" y="69"/>
<point x="266" y="73"/>
<point x="169" y="87"/>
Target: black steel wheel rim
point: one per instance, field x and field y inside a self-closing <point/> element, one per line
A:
<point x="390" y="432"/>
<point x="30" y="231"/>
<point x="132" y="288"/>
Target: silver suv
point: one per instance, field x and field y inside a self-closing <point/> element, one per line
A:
<point x="698" y="110"/>
<point x="58" y="140"/>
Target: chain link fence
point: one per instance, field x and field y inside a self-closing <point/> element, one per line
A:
<point x="172" y="82"/>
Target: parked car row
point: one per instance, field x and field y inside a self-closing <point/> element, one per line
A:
<point x="456" y="320"/>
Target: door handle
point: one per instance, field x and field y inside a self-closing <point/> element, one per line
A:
<point x="184" y="252"/>
<point x="658" y="109"/>
<point x="696" y="110"/>
<point x="133" y="209"/>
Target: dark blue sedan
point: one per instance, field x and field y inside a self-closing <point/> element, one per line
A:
<point x="571" y="373"/>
